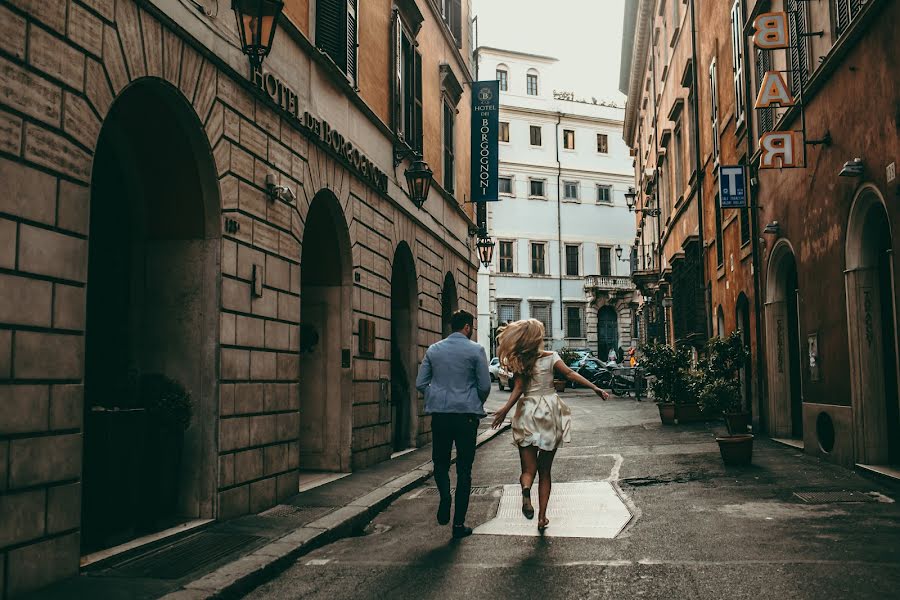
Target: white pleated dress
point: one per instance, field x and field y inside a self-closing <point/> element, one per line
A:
<point x="541" y="418"/>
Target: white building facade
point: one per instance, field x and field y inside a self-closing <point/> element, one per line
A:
<point x="562" y="227"/>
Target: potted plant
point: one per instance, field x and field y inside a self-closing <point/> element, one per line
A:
<point x="668" y="370"/>
<point x="723" y="359"/>
<point x="169" y="408"/>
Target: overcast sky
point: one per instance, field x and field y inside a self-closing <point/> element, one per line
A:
<point x="585" y="35"/>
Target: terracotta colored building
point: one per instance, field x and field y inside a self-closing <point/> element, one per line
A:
<point x="249" y="235"/>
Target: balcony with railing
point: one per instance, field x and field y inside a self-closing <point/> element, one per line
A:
<point x="608" y="282"/>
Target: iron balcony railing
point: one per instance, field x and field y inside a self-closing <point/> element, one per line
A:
<point x="608" y="282"/>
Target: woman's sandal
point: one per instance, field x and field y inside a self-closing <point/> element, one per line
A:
<point x="542" y="524"/>
<point x="527" y="508"/>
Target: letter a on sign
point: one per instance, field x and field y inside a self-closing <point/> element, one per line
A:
<point x="773" y="91"/>
<point x="778" y="148"/>
<point x="771" y="31"/>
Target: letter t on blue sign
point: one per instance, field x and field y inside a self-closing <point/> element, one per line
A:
<point x="732" y="187"/>
<point x="485" y="140"/>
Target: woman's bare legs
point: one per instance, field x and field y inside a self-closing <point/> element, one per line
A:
<point x="544" y="464"/>
<point x="528" y="457"/>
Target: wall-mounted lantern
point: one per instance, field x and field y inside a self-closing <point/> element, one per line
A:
<point x="256" y="23"/>
<point x="485" y="247"/>
<point x="630" y="200"/>
<point x="418" y="176"/>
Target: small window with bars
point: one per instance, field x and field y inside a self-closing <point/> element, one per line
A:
<point x="538" y="258"/>
<point x="509" y="312"/>
<point x="506" y="256"/>
<point x="541" y="311"/>
<point x="574" y="322"/>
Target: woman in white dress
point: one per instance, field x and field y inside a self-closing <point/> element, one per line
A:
<point x="541" y="421"/>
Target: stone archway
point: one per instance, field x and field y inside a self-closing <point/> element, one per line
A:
<point x="449" y="303"/>
<point x="326" y="285"/>
<point x="404" y="348"/>
<point x="783" y="344"/>
<point x="872" y="330"/>
<point x="152" y="308"/>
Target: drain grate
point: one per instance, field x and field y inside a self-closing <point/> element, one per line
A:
<point x="288" y="511"/>
<point x="479" y="490"/>
<point x="186" y="556"/>
<point x="835" y="497"/>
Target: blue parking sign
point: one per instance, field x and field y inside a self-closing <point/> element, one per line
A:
<point x="732" y="187"/>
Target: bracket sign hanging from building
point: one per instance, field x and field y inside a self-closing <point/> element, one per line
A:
<point x="485" y="140"/>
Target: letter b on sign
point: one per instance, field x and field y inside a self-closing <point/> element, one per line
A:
<point x="771" y="31"/>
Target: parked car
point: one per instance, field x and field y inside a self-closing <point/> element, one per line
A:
<point x="595" y="371"/>
<point x="494" y="368"/>
<point x="505" y="379"/>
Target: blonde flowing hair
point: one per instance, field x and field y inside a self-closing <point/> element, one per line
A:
<point x="521" y="345"/>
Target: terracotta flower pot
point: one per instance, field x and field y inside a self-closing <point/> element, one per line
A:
<point x="666" y="412"/>
<point x="736" y="450"/>
<point x="688" y="413"/>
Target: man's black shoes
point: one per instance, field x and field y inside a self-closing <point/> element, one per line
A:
<point x="461" y="531"/>
<point x="443" y="513"/>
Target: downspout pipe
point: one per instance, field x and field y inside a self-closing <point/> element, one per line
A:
<point x="559" y="243"/>
<point x="699" y="196"/>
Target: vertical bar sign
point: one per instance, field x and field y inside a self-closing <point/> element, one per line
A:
<point x="485" y="137"/>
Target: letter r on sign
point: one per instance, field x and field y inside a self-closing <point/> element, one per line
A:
<point x="778" y="149"/>
<point x="770" y="31"/>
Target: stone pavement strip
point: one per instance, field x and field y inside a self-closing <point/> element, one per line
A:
<point x="308" y="521"/>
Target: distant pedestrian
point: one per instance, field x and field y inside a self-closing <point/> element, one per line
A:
<point x="542" y="420"/>
<point x="455" y="380"/>
<point x="632" y="358"/>
<point x="612" y="357"/>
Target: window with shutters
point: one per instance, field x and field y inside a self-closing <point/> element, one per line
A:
<point x="337" y="34"/>
<point x="570" y="190"/>
<point x="536" y="188"/>
<point x="678" y="160"/>
<point x="574" y="321"/>
<point x="538" y="256"/>
<point x="451" y="11"/>
<point x="714" y="108"/>
<point x="720" y="244"/>
<point x="532" y="83"/>
<point x="568" y="139"/>
<point x="407" y="94"/>
<point x="845" y="11"/>
<point x="602" y="143"/>
<point x="506" y="256"/>
<point x="506" y="186"/>
<point x="504" y="132"/>
<point x="535" y="135"/>
<point x="449" y="159"/>
<point x="737" y="56"/>
<point x="509" y="312"/>
<point x="573" y="260"/>
<point x="503" y="78"/>
<point x="798" y="20"/>
<point x="605" y="256"/>
<point x="541" y="311"/>
<point x="604" y="194"/>
<point x="765" y="118"/>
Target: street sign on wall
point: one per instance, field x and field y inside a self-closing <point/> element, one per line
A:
<point x="732" y="187"/>
<point x="485" y="140"/>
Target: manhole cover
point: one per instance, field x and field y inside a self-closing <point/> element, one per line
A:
<point x="584" y="510"/>
<point x="835" y="497"/>
<point x="480" y="490"/>
<point x="179" y="559"/>
<point x="288" y="511"/>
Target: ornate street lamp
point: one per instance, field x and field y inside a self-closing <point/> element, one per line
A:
<point x="485" y="247"/>
<point x="630" y="199"/>
<point x="256" y="23"/>
<point x="630" y="196"/>
<point x="419" y="177"/>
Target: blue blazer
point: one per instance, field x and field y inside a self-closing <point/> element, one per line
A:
<point x="454" y="377"/>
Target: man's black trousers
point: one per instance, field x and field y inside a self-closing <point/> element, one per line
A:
<point x="448" y="429"/>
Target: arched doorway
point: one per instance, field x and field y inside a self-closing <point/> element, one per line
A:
<point x="449" y="303"/>
<point x="325" y="333"/>
<point x="607" y="331"/>
<point x="404" y="348"/>
<point x="720" y="322"/>
<point x="742" y="319"/>
<point x="151" y="309"/>
<point x="783" y="344"/>
<point x="869" y="279"/>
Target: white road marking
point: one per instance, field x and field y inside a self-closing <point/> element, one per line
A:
<point x="317" y="562"/>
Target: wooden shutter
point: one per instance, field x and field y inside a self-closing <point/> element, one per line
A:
<point x="842" y="15"/>
<point x="766" y="115"/>
<point x="331" y="30"/>
<point x="799" y="51"/>
<point x="737" y="55"/>
<point x="397" y="91"/>
<point x="352" y="35"/>
<point x="417" y="134"/>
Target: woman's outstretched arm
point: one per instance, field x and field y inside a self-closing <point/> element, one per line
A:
<point x="562" y="369"/>
<point x="500" y="415"/>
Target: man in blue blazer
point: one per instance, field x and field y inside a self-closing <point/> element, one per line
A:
<point x="455" y="380"/>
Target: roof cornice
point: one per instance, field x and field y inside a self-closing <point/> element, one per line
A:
<point x="641" y="37"/>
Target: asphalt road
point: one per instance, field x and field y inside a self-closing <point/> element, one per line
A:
<point x="698" y="530"/>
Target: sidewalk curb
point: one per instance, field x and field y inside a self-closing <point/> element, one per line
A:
<point x="242" y="575"/>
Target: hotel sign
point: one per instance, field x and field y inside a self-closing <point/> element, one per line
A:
<point x="485" y="140"/>
<point x="779" y="149"/>
<point x="331" y="139"/>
